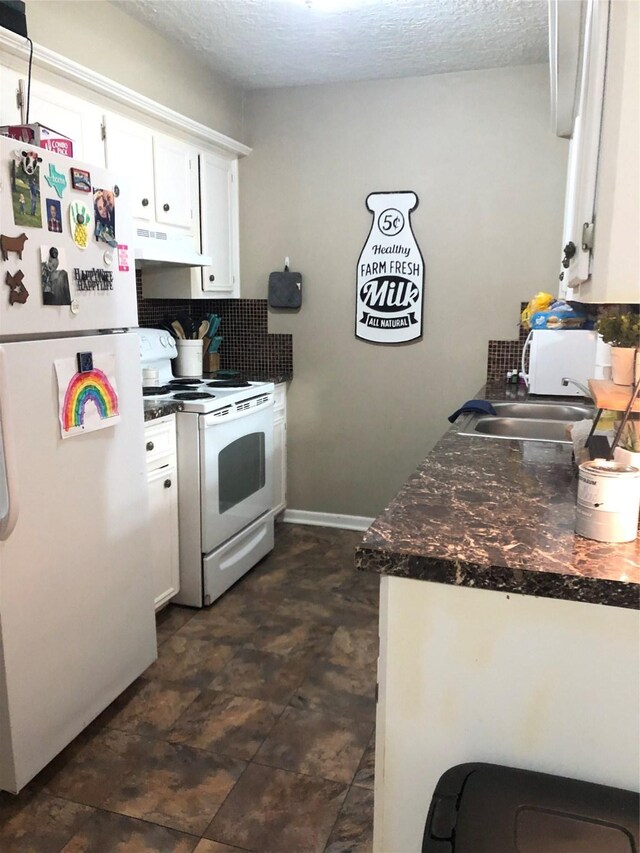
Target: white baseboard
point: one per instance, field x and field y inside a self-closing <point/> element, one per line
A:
<point x="326" y="519"/>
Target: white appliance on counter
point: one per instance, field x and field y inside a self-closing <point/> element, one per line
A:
<point x="225" y="462"/>
<point x="76" y="602"/>
<point x="557" y="353"/>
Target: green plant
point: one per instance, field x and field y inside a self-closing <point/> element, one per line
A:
<point x="619" y="330"/>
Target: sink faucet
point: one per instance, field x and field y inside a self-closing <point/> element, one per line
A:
<point x="567" y="380"/>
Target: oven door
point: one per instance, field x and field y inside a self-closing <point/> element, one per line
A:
<point x="236" y="468"/>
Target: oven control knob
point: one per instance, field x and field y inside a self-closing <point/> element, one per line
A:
<point x="167" y="484"/>
<point x="164" y="340"/>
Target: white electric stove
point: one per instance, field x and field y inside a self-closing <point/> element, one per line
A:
<point x="225" y="471"/>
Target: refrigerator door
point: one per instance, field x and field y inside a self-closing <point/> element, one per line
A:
<point x="76" y="599"/>
<point x="99" y="287"/>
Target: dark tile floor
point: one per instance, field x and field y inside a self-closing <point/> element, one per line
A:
<point x="253" y="731"/>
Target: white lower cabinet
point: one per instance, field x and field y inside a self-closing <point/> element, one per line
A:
<point x="280" y="448"/>
<point x="162" y="477"/>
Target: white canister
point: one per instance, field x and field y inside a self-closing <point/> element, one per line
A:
<point x="189" y="360"/>
<point x="608" y="501"/>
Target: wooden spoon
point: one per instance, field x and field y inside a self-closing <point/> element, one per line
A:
<point x="177" y="328"/>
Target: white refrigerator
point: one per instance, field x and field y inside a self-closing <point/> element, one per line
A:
<point x="76" y="602"/>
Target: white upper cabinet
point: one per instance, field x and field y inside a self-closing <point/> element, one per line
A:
<point x="218" y="193"/>
<point x="73" y="117"/>
<point x="600" y="258"/>
<point x="175" y="182"/>
<point x="129" y="152"/>
<point x="163" y="173"/>
<point x="219" y="224"/>
<point x="615" y="273"/>
<point x="173" y="178"/>
<point x="9" y="110"/>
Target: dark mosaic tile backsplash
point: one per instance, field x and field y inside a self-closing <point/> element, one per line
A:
<point x="247" y="345"/>
<point x="503" y="356"/>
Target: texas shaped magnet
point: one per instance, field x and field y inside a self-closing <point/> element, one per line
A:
<point x="56" y="180"/>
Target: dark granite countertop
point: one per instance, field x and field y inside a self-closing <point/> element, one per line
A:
<point x="499" y="515"/>
<point x="257" y="376"/>
<point x="157" y="409"/>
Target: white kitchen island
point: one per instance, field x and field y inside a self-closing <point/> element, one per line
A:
<point x="504" y="637"/>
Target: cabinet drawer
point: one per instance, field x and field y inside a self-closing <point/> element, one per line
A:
<point x="160" y="441"/>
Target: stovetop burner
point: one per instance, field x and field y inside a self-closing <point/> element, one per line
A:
<point x="229" y="383"/>
<point x="193" y="395"/>
<point x="155" y="390"/>
<point x="179" y="383"/>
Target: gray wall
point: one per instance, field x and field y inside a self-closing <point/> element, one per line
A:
<point x="102" y="37"/>
<point x="477" y="149"/>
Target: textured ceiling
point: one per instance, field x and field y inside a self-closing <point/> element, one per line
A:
<point x="269" y="43"/>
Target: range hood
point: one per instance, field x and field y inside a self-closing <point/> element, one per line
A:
<point x="153" y="252"/>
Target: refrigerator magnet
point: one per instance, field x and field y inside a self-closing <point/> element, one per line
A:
<point x="17" y="291"/>
<point x="79" y="218"/>
<point x="96" y="279"/>
<point x="55" y="279"/>
<point x="12" y="244"/>
<point x="104" y="209"/>
<point x="25" y="189"/>
<point x="81" y="180"/>
<point x="88" y="396"/>
<point x="54" y="215"/>
<point x="123" y="257"/>
<point x="56" y="180"/>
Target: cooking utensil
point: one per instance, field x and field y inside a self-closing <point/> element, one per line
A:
<point x="179" y="331"/>
<point x="187" y="324"/>
<point x="215" y="344"/>
<point x="214" y="325"/>
<point x="166" y="326"/>
<point x="202" y="328"/>
<point x="625" y="418"/>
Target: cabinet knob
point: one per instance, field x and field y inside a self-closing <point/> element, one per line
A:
<point x="150" y="445"/>
<point x="145" y="202"/>
<point x="167" y="484"/>
<point x="569" y="252"/>
<point x="212" y="278"/>
<point x="165" y="207"/>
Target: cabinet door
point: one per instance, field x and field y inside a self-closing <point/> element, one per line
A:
<point x="584" y="149"/>
<point x="175" y="179"/>
<point x="280" y="448"/>
<point x="163" y="507"/>
<point x="219" y="224"/>
<point x="71" y="116"/>
<point x="129" y="152"/>
<point x="9" y="110"/>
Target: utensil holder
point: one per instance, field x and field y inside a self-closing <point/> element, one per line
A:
<point x="189" y="360"/>
<point x="211" y="362"/>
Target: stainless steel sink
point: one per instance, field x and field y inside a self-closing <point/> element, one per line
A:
<point x="526" y="421"/>
<point x="544" y="411"/>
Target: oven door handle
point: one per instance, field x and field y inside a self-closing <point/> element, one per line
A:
<point x="216" y="419"/>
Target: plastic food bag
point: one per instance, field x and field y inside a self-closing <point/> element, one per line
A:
<point x="540" y="302"/>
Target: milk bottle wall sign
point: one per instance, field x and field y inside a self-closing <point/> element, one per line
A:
<point x="390" y="275"/>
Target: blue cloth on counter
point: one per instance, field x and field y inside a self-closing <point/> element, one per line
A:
<point x="482" y="407"/>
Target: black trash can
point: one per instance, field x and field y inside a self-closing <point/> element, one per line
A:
<point x="485" y="808"/>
